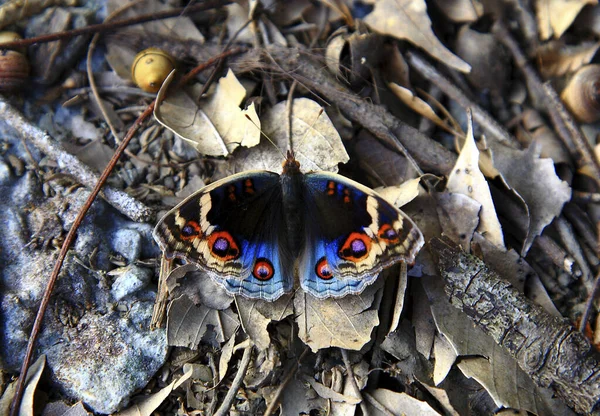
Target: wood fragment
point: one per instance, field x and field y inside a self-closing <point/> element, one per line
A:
<point x="551" y="352"/>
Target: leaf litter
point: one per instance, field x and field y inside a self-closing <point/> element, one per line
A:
<point x="299" y="345"/>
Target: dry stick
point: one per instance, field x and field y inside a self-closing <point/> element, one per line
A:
<point x="105" y="27"/>
<point x="589" y="305"/>
<point x="348" y="365"/>
<point x="119" y="199"/>
<point x="585" y="197"/>
<point x="562" y="121"/>
<point x="71" y="234"/>
<point x="275" y="402"/>
<point x="485" y="120"/>
<point x="237" y="382"/>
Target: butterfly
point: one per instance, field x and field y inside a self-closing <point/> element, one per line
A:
<point x="254" y="231"/>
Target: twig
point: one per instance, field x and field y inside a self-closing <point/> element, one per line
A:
<point x="589" y="305"/>
<point x="562" y="121"/>
<point x="106" y="27"/>
<point x="348" y="365"/>
<point x="483" y="119"/>
<point x="237" y="382"/>
<point x="122" y="201"/>
<point x="71" y="236"/>
<point x="275" y="402"/>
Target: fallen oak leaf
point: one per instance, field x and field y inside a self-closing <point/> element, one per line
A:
<point x="408" y="19"/>
<point x="218" y="125"/>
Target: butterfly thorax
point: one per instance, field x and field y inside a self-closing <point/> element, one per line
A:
<point x="293" y="203"/>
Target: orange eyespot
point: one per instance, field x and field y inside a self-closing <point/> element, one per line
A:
<point x="323" y="270"/>
<point x="190" y="230"/>
<point x="331" y="188"/>
<point x="263" y="269"/>
<point x="387" y="233"/>
<point x="223" y="245"/>
<point x="356" y="247"/>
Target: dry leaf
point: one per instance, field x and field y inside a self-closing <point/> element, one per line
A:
<point x="508" y="385"/>
<point x="329" y="394"/>
<point x="557" y="59"/>
<point x="536" y="182"/>
<point x="445" y="356"/>
<point x="400" y="195"/>
<point x="422" y="321"/>
<point x="555" y="16"/>
<point x="63" y="409"/>
<point x="218" y="125"/>
<point x="467" y="179"/>
<point x="418" y="105"/>
<point x="459" y="217"/>
<point x="346" y="323"/>
<point x="398" y="404"/>
<point x="256" y="314"/>
<point x="382" y="164"/>
<point x="31" y="381"/>
<point x="187" y="323"/>
<point x="408" y="19"/>
<point x="147" y="406"/>
<point x="441" y="396"/>
<point x="461" y="11"/>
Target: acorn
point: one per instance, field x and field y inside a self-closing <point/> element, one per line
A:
<point x="582" y="94"/>
<point x="150" y="68"/>
<point x="14" y="66"/>
<point x="7" y="36"/>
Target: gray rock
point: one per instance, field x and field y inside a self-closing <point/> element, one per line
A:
<point x="128" y="243"/>
<point x="95" y="353"/>
<point x="132" y="279"/>
<point x="109" y="358"/>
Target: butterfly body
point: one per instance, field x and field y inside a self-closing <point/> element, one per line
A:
<point x="254" y="231"/>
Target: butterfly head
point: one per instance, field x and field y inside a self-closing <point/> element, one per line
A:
<point x="291" y="164"/>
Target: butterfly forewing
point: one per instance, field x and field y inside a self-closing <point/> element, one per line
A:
<point x="352" y="234"/>
<point x="231" y="229"/>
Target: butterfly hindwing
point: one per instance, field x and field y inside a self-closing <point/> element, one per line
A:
<point x="352" y="234"/>
<point x="231" y="229"/>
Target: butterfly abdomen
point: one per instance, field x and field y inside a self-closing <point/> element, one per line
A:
<point x="293" y="208"/>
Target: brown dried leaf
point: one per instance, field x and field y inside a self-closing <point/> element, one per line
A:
<point x="218" y="125"/>
<point x="187" y="323"/>
<point x="467" y="179"/>
<point x="461" y="11"/>
<point x="557" y="59"/>
<point x="459" y="217"/>
<point x="316" y="143"/>
<point x="408" y="19"/>
<point x="499" y="373"/>
<point x="418" y="105"/>
<point x="63" y="409"/>
<point x="256" y="314"/>
<point x="147" y="406"/>
<point x="555" y="16"/>
<point x="398" y="404"/>
<point x="536" y="182"/>
<point x="31" y="381"/>
<point x="346" y="323"/>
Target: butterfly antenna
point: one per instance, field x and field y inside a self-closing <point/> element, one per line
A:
<point x="264" y="134"/>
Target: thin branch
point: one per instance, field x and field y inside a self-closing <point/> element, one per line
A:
<point x="485" y="120"/>
<point x="275" y="402"/>
<point x="106" y="27"/>
<point x="348" y="365"/>
<point x="237" y="382"/>
<point x="562" y="121"/>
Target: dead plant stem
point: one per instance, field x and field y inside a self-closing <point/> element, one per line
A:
<point x="237" y="382"/>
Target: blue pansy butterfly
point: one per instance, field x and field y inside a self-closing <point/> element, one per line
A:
<point x="254" y="231"/>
